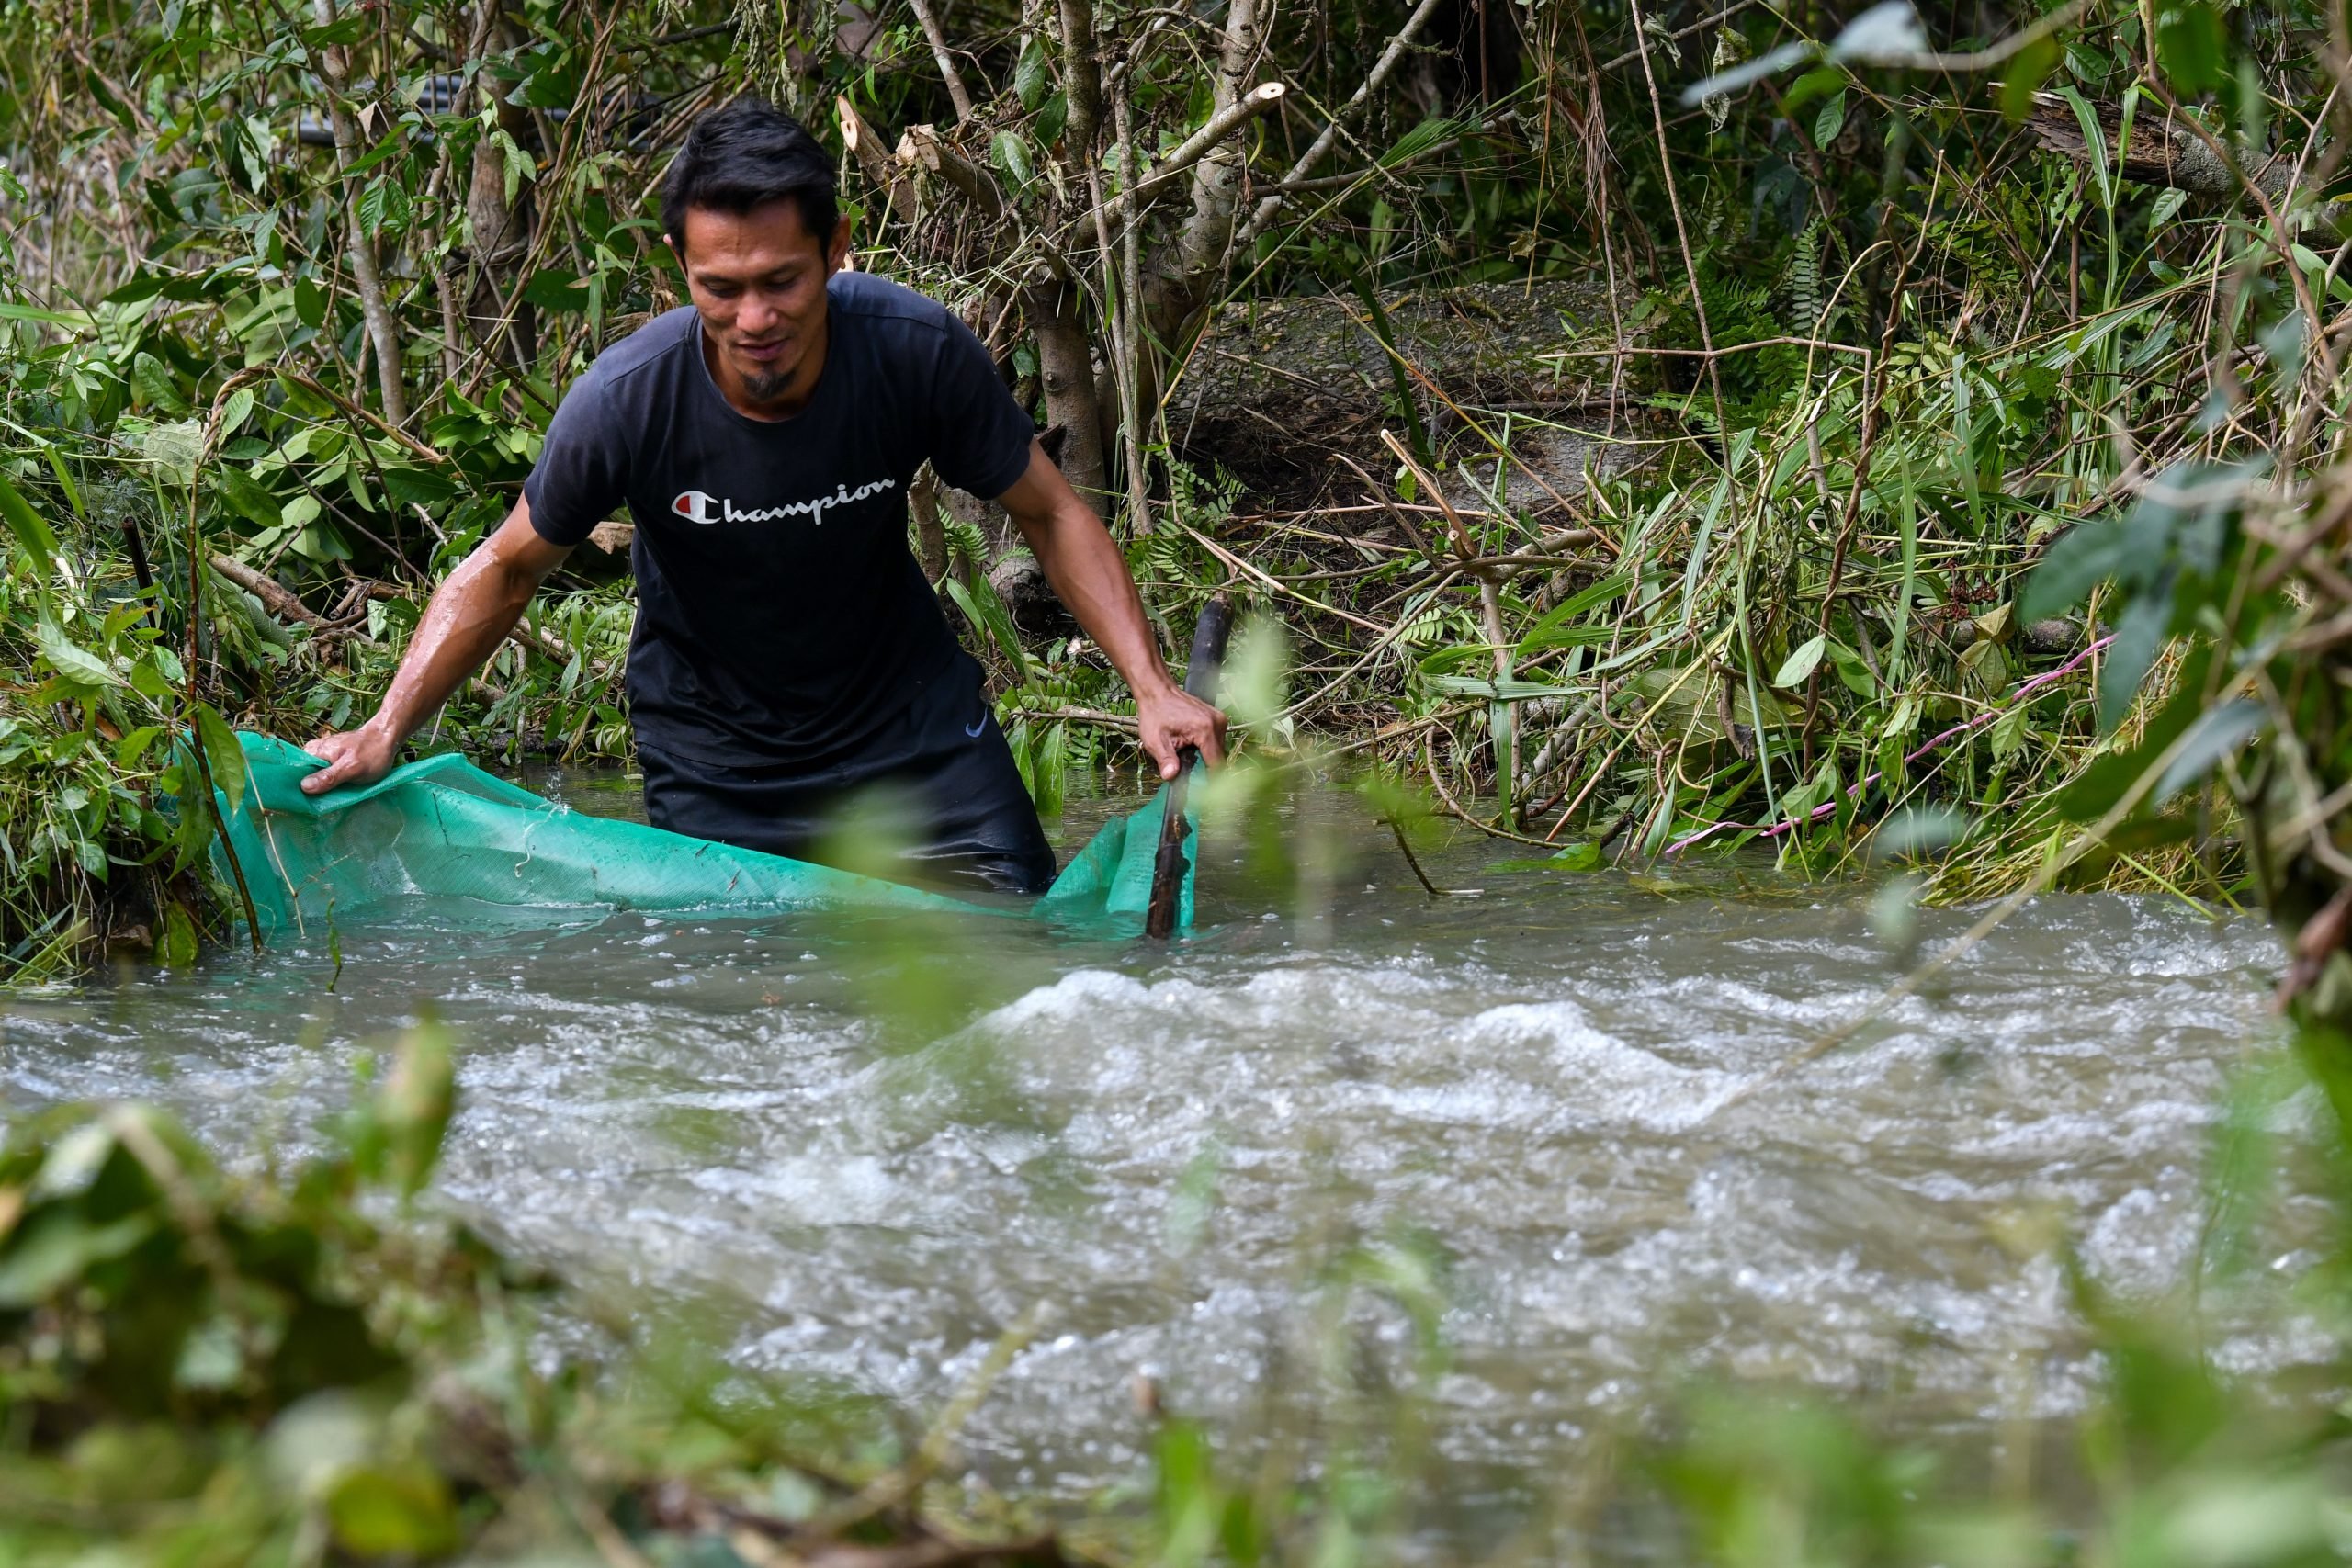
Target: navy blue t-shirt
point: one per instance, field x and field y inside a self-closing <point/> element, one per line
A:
<point x="781" y="617"/>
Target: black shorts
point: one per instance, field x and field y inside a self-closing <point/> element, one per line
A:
<point x="938" y="780"/>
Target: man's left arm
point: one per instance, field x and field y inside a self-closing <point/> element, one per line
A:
<point x="1092" y="577"/>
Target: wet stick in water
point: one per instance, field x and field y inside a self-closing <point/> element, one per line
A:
<point x="1200" y="679"/>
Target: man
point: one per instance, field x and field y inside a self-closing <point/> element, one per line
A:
<point x="788" y="650"/>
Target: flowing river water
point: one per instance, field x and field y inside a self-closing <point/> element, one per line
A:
<point x="857" y="1149"/>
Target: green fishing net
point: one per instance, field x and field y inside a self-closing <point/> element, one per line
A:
<point x="444" y="830"/>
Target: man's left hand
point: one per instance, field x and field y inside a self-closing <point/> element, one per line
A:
<point x="1174" y="719"/>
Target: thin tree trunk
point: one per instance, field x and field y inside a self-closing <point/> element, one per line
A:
<point x="499" y="236"/>
<point x="500" y="232"/>
<point x="381" y="330"/>
<point x="931" y="534"/>
<point x="1081" y="81"/>
<point x="1133" y="415"/>
<point x="1183" y="276"/>
<point x="1057" y="307"/>
<point x="1066" y="365"/>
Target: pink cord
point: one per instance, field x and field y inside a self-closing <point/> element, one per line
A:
<point x="1854" y="791"/>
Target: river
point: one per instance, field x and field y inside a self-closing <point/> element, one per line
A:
<point x="857" y="1150"/>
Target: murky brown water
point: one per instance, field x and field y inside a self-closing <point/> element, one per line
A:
<point x="864" y="1147"/>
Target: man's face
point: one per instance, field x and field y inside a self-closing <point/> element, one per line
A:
<point x="758" y="279"/>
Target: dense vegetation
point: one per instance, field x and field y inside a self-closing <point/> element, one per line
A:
<point x="1697" y="516"/>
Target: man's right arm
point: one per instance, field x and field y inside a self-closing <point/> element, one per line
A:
<point x="462" y="626"/>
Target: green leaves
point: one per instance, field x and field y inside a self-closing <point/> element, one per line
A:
<point x="2191" y="48"/>
<point x="222" y="754"/>
<point x="394" y="1510"/>
<point x="2166" y="560"/>
<point x="1041" y="753"/>
<point x="415" y="486"/>
<point x="395" y="1136"/>
<point x="987" y="615"/>
<point x="1830" y="120"/>
<point x="1852" y="672"/>
<point x="390" y="146"/>
<point x="179" y="1316"/>
<point x="384" y="204"/>
<point x="56" y="1247"/>
<point x="236" y="411"/>
<point x="2029" y="68"/>
<point x="1031" y="80"/>
<point x="1009" y="150"/>
<point x="2209" y="738"/>
<point x="342" y="30"/>
<point x="2218" y="733"/>
<point x="1800" y="663"/>
<point x="156" y="386"/>
<point x="1558" y="628"/>
<point x="412" y="1110"/>
<point x="557" y="288"/>
<point x="31" y="533"/>
<point x="1424" y="136"/>
<point x="1499" y="690"/>
<point x="250" y="498"/>
<point x="73" y="663"/>
<point x="176" y="945"/>
<point x="2076" y="561"/>
<point x="12" y="311"/>
<point x="1580" y="856"/>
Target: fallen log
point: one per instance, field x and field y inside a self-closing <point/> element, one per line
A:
<point x="2160" y="151"/>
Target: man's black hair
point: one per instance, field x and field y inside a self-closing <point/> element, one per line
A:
<point x="744" y="155"/>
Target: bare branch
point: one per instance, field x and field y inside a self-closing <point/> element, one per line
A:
<point x="947" y="62"/>
<point x="1985" y="59"/>
<point x="872" y="157"/>
<point x="1224" y="123"/>
<point x="1381" y="71"/>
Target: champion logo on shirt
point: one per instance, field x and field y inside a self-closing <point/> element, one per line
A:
<point x="701" y="506"/>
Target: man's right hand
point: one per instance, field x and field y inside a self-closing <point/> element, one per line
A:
<point x="354" y="757"/>
<point x="463" y="624"/>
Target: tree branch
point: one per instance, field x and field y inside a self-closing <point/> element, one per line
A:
<point x="381" y="330"/>
<point x="2168" y="153"/>
<point x="947" y="62"/>
<point x="1222" y="124"/>
<point x="1381" y="71"/>
<point x="920" y="145"/>
<point x="865" y="144"/>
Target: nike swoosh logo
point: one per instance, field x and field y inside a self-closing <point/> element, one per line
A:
<point x="974" y="729"/>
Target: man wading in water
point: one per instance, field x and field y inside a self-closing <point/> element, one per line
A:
<point x="788" y="650"/>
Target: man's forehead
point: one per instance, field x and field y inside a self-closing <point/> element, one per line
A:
<point x="769" y="236"/>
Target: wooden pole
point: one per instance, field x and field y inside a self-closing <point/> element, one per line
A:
<point x="1200" y="679"/>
